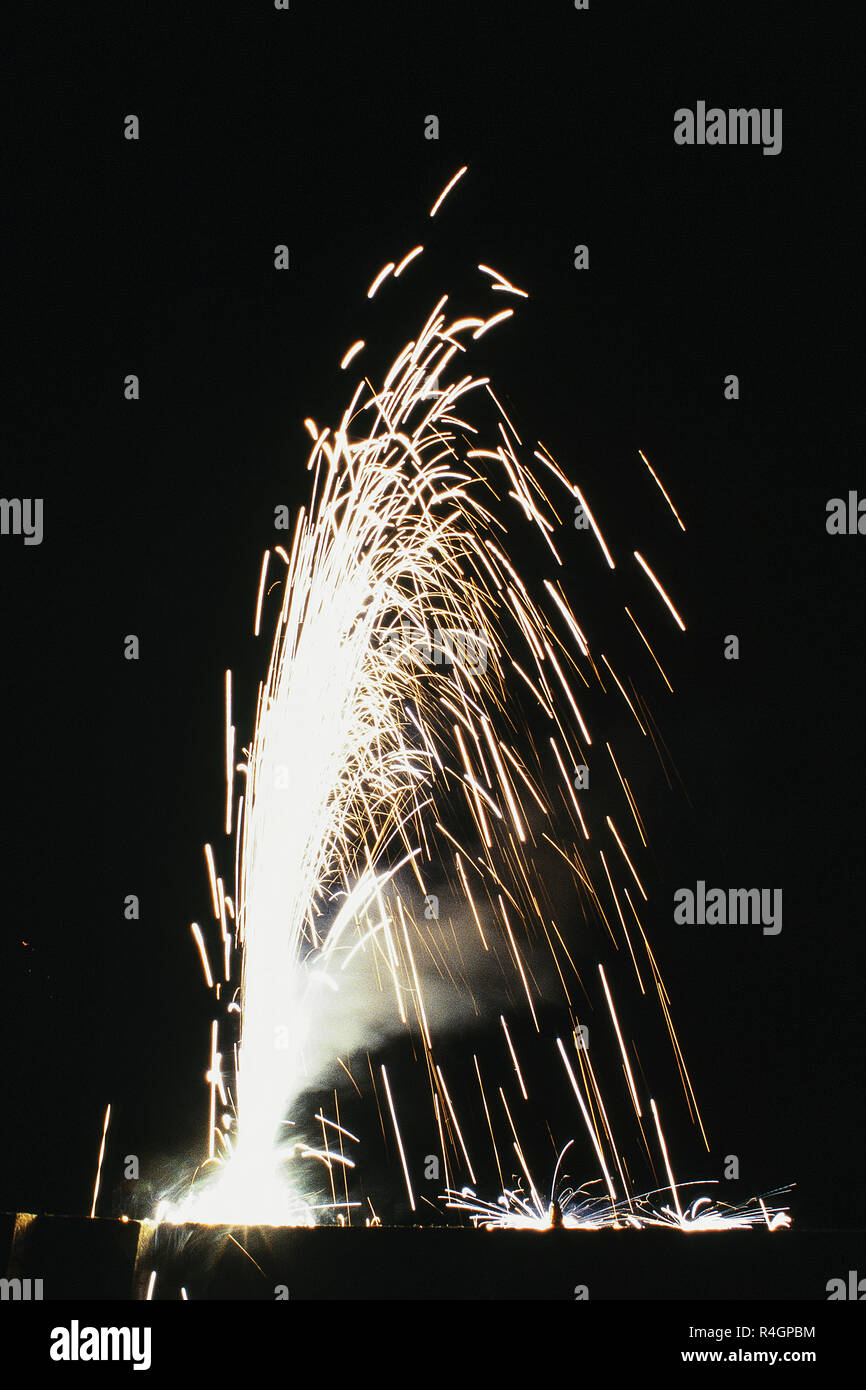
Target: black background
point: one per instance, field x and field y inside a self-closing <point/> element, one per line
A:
<point x="156" y="257"/>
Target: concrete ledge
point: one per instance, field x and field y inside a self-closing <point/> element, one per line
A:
<point x="81" y="1259"/>
<point x="74" y="1256"/>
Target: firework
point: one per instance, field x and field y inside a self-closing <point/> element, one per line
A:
<point x="383" y="724"/>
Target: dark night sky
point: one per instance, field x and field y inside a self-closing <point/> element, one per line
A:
<point x="156" y="258"/>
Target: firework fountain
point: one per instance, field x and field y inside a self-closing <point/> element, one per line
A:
<point x="403" y="626"/>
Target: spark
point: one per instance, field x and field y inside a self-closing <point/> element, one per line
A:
<point x="492" y="322"/>
<point x="407" y="260"/>
<point x="202" y="950"/>
<point x="399" y="1139"/>
<point x="260" y="596"/>
<point x="581" y="1210"/>
<point x="623" y="1052"/>
<point x="212" y="879"/>
<point x="353" y="351"/>
<point x="517" y="1070"/>
<point x="99" y="1160"/>
<point x="616" y="836"/>
<point x="567" y="782"/>
<point x="230" y="753"/>
<point x="383" y="275"/>
<point x="519" y="963"/>
<point x="504" y="782"/>
<point x="651" y="652"/>
<point x="673" y="612"/>
<point x="455" y="1121"/>
<point x="569" y="617"/>
<point x="567" y="688"/>
<point x="664" y="494"/>
<point x="503" y="283"/>
<point x="469" y="898"/>
<point x="589" y="1125"/>
<point x="447" y="189"/>
<point x="419" y="994"/>
<point x="628" y="796"/>
<point x="211" y="1078"/>
<point x="592" y="521"/>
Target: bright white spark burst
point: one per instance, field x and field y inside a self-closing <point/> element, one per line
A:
<point x="361" y="744"/>
<point x="576" y="1210"/>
